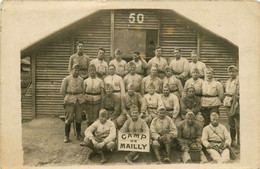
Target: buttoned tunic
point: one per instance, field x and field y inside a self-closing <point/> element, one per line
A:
<point x="121" y="67"/>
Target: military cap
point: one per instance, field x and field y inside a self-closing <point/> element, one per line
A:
<point x="134" y="108"/>
<point x="112" y="65"/>
<point x="155" y="65"/>
<point x="214" y="114"/>
<point x="158" y="47"/>
<point x="79" y="42"/>
<point x="76" y="66"/>
<point x="137" y="52"/>
<point x="195" y="69"/>
<point x="151" y="85"/>
<point x="117" y="51"/>
<point x="92" y="66"/>
<point x="167" y="68"/>
<point x="130" y="85"/>
<point x="191" y="86"/>
<point x="102" y="112"/>
<point x="101" y="49"/>
<point x="190" y="114"/>
<point x="232" y="67"/>
<point x="177" y="49"/>
<point x="161" y="107"/>
<point x="166" y="86"/>
<point x="109" y="85"/>
<point x="131" y="64"/>
<point x="210" y="69"/>
<point x="194" y="52"/>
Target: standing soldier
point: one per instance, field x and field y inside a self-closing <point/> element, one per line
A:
<point x="216" y="139"/>
<point x="141" y="64"/>
<point x="171" y="103"/>
<point x="159" y="61"/>
<point x="137" y="125"/>
<point x="163" y="131"/>
<point x="133" y="78"/>
<point x="131" y="98"/>
<point x="72" y="91"/>
<point x="152" y="78"/>
<point x="191" y="103"/>
<point x="116" y="81"/>
<point x="231" y="102"/>
<point x="196" y="82"/>
<point x="189" y="138"/>
<point x="101" y="64"/>
<point x="121" y="66"/>
<point x="212" y="95"/>
<point x="153" y="101"/>
<point x="94" y="93"/>
<point x="111" y="103"/>
<point x="174" y="83"/>
<point x="195" y="63"/>
<point x="101" y="135"/>
<point x="81" y="59"/>
<point x="180" y="66"/>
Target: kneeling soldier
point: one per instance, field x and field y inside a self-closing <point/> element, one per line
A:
<point x="72" y="91"/>
<point x="101" y="135"/>
<point x="189" y="138"/>
<point x="163" y="131"/>
<point x="134" y="124"/>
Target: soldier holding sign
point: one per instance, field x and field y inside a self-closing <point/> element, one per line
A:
<point x="135" y="125"/>
<point x="163" y="131"/>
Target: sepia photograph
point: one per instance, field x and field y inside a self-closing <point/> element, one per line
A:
<point x="129" y="85"/>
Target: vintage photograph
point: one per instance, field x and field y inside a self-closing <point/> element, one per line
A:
<point x="130" y="86"/>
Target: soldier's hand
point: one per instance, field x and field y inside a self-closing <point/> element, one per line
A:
<point x="211" y="145"/>
<point x="184" y="148"/>
<point x="128" y="116"/>
<point x="94" y="142"/>
<point x="200" y="146"/>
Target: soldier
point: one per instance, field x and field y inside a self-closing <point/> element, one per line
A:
<point x="191" y="103"/>
<point x="152" y="78"/>
<point x="116" y="81"/>
<point x="163" y="131"/>
<point x="131" y="98"/>
<point x="153" y="101"/>
<point x="212" y="95"/>
<point x="81" y="59"/>
<point x="180" y="66"/>
<point x="216" y="139"/>
<point x="196" y="82"/>
<point x="189" y="138"/>
<point x="141" y="64"/>
<point x="231" y="102"/>
<point x="72" y="91"/>
<point x="171" y="103"/>
<point x="101" y="64"/>
<point x="134" y="124"/>
<point x="159" y="61"/>
<point x="111" y="103"/>
<point x="174" y="83"/>
<point x="101" y="135"/>
<point x="195" y="63"/>
<point x="133" y="78"/>
<point x="94" y="93"/>
<point x="121" y="66"/>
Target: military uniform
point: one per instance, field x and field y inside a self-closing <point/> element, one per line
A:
<point x="200" y="66"/>
<point x="174" y="85"/>
<point x="141" y="65"/>
<point x="161" y="63"/>
<point x="211" y="135"/>
<point x="101" y="67"/>
<point x="197" y="85"/>
<point x="117" y="84"/>
<point x="93" y="89"/>
<point x="153" y="102"/>
<point x="83" y="62"/>
<point x="147" y="81"/>
<point x="135" y="80"/>
<point x="180" y="67"/>
<point x="127" y="102"/>
<point x="121" y="67"/>
<point x="190" y="136"/>
<point x="171" y="103"/>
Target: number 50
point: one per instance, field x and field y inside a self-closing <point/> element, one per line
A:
<point x="139" y="18"/>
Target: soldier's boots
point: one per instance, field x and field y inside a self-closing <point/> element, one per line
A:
<point x="157" y="154"/>
<point x="233" y="137"/>
<point x="67" y="133"/>
<point x="103" y="158"/>
<point x="78" y="130"/>
<point x="167" y="159"/>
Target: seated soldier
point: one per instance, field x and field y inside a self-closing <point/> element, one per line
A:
<point x="133" y="78"/>
<point x="174" y="83"/>
<point x="153" y="101"/>
<point x="131" y="98"/>
<point x="163" y="131"/>
<point x="191" y="103"/>
<point x="134" y="124"/>
<point x="189" y="138"/>
<point x="195" y="81"/>
<point x="112" y="103"/>
<point x="101" y="135"/>
<point x="171" y="103"/>
<point x="217" y="140"/>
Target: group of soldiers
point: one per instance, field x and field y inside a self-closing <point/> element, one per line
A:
<point x="177" y="102"/>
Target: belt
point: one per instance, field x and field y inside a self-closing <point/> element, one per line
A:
<point x="175" y="73"/>
<point x="199" y="95"/>
<point x="169" y="109"/>
<point x="209" y="96"/>
<point x="229" y="95"/>
<point x="152" y="107"/>
<point x="110" y="109"/>
<point x="213" y="141"/>
<point x="116" y="91"/>
<point x="93" y="94"/>
<point x="160" y="71"/>
<point x="73" y="93"/>
<point x="175" y="90"/>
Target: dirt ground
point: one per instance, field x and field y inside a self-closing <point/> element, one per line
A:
<point x="43" y="145"/>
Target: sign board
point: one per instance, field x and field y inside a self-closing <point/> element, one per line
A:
<point x="134" y="141"/>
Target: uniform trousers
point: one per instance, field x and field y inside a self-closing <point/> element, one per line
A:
<point x="73" y="111"/>
<point x="219" y="157"/>
<point x="108" y="146"/>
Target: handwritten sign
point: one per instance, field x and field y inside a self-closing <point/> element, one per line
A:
<point x="134" y="141"/>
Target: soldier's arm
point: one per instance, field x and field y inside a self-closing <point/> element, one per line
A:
<point x="125" y="126"/>
<point x="70" y="64"/>
<point x="117" y="105"/>
<point x="90" y="130"/>
<point x="145" y="127"/>
<point x="144" y="63"/>
<point x="204" y="138"/>
<point x="173" y="130"/>
<point x="220" y="91"/>
<point x="143" y="87"/>
<point x="180" y="87"/>
<point x="184" y="91"/>
<point x="122" y="87"/>
<point x="63" y="88"/>
<point x="227" y="136"/>
<point x="197" y="107"/>
<point x="198" y="134"/>
<point x="153" y="131"/>
<point x="183" y="107"/>
<point x="180" y="134"/>
<point x="142" y="102"/>
<point x="186" y="69"/>
<point x="125" y="69"/>
<point x="112" y="133"/>
<point x="176" y="106"/>
<point x="123" y="104"/>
